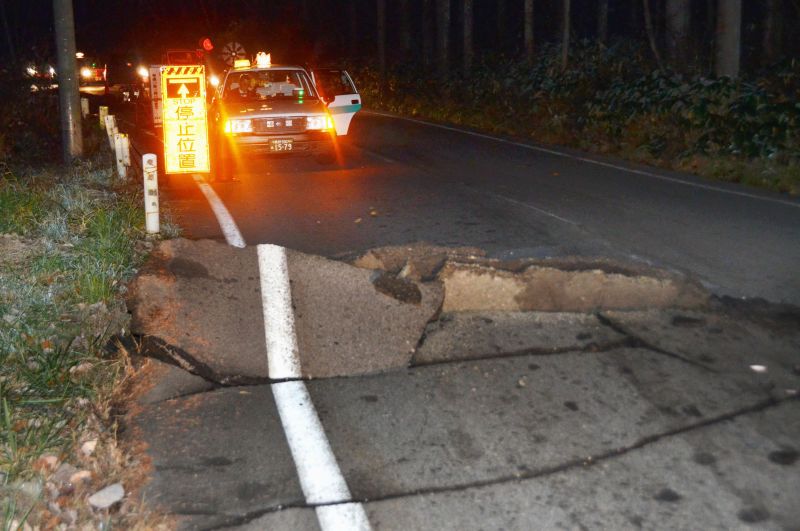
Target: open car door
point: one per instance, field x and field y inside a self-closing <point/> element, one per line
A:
<point x="337" y="88"/>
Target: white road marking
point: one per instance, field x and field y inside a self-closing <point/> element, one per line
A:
<point x="377" y="155"/>
<point x="224" y="218"/>
<point x="588" y="160"/>
<point x="526" y="205"/>
<point x="276" y="301"/>
<point x="320" y="477"/>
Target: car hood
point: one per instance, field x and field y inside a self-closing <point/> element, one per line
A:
<point x="273" y="108"/>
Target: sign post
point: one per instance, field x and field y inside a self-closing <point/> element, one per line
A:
<point x="150" y="170"/>
<point x="183" y="93"/>
<point x="155" y="94"/>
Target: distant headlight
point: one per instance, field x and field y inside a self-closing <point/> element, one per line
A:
<point x="86" y="72"/>
<point x="214" y="80"/>
<point x="239" y="126"/>
<point x="320" y="122"/>
<point x="143" y="72"/>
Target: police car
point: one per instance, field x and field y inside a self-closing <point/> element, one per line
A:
<point x="269" y="109"/>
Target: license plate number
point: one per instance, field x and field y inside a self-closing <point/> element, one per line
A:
<point x="283" y="144"/>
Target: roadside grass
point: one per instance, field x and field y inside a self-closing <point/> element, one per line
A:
<point x="69" y="241"/>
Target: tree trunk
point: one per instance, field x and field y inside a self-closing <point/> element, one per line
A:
<point x="773" y="31"/>
<point x="529" y="30"/>
<point x="467" y="34"/>
<point x="651" y="35"/>
<point x="678" y="19"/>
<point x="353" y="29"/>
<point x="9" y="39"/>
<point x="381" y="22"/>
<point x="405" y="30"/>
<point x="602" y="22"/>
<point x="427" y="33"/>
<point x="443" y="34"/>
<point x="501" y="24"/>
<point x="565" y="31"/>
<point x="729" y="36"/>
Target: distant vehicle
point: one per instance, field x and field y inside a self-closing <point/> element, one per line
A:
<point x="125" y="79"/>
<point x="272" y="109"/>
<point x="92" y="77"/>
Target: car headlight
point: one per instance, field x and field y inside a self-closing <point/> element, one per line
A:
<point x="321" y="122"/>
<point x="239" y="126"/>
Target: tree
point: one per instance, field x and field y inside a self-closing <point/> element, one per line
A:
<point x="773" y="30"/>
<point x="729" y="37"/>
<point x="427" y="32"/>
<point x="565" y="30"/>
<point x="529" y="30"/>
<point x="678" y="18"/>
<point x="381" y="22"/>
<point x="405" y="30"/>
<point x="443" y="34"/>
<point x="602" y="22"/>
<point x="651" y="35"/>
<point x="353" y="19"/>
<point x="467" y="34"/>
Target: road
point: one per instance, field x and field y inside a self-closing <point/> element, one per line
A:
<point x="528" y="420"/>
<point x="448" y="187"/>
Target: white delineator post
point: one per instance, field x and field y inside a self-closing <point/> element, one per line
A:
<point x="150" y="170"/>
<point x="121" y="146"/>
<point x="84" y="107"/>
<point x="102" y="112"/>
<point x="111" y="129"/>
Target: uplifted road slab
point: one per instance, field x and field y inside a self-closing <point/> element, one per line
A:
<point x="355" y="321"/>
<point x="199" y="306"/>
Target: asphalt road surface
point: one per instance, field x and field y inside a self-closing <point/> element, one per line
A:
<point x="673" y="419"/>
<point x="403" y="181"/>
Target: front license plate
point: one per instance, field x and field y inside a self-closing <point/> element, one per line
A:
<point x="282" y="144"/>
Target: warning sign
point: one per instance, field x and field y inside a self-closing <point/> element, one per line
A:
<point x="183" y="89"/>
<point x="155" y="94"/>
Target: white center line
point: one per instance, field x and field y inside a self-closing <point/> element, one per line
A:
<point x="226" y="222"/>
<point x="588" y="160"/>
<point x="320" y="477"/>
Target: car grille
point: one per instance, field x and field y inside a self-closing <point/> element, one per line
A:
<point x="280" y="124"/>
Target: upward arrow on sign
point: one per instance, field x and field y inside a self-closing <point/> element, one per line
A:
<point x="183" y="91"/>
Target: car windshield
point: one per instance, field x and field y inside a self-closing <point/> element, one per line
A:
<point x="254" y="85"/>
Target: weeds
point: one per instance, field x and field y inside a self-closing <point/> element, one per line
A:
<point x="69" y="241"/>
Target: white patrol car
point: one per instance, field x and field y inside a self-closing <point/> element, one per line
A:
<point x="271" y="109"/>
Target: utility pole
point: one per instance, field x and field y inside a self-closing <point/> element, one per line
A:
<point x="68" y="96"/>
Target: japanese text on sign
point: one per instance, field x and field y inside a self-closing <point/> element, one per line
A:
<point x="183" y="89"/>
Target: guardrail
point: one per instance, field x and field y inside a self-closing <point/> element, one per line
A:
<point x="130" y="166"/>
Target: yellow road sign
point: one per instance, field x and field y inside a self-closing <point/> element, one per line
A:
<point x="183" y="93"/>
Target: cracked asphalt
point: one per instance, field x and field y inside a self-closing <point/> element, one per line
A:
<point x="499" y="420"/>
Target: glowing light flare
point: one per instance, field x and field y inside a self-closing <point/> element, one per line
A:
<point x="86" y="72"/>
<point x="79" y="55"/>
<point x="214" y="80"/>
<point x="207" y="44"/>
<point x="143" y="73"/>
<point x="263" y="60"/>
<point x="31" y="70"/>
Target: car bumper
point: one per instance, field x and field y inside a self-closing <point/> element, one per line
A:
<point x="308" y="143"/>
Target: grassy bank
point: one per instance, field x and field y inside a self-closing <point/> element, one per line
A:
<point x="70" y="238"/>
<point x="614" y="101"/>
